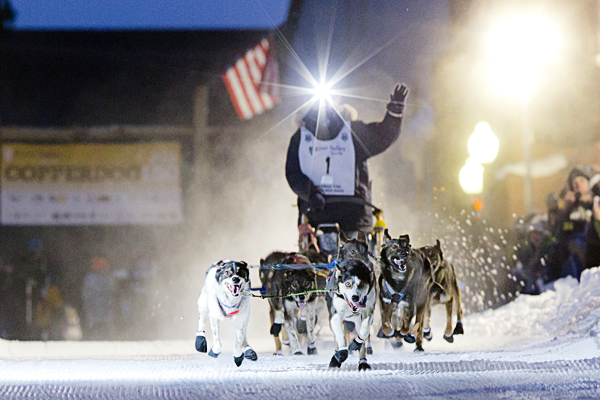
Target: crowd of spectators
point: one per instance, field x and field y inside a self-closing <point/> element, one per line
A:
<point x="564" y="240"/>
<point x="107" y="302"/>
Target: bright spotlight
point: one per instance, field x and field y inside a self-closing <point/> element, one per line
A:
<point x="483" y="145"/>
<point x="321" y="92"/>
<point x="470" y="177"/>
<point x="519" y="48"/>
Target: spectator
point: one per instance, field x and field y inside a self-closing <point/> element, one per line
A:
<point x="592" y="248"/>
<point x="98" y="294"/>
<point x="532" y="256"/>
<point x="571" y="225"/>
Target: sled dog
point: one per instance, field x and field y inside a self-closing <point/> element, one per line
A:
<point x="355" y="249"/>
<point x="354" y="301"/>
<point x="224" y="295"/>
<point x="402" y="290"/>
<point x="290" y="302"/>
<point x="443" y="274"/>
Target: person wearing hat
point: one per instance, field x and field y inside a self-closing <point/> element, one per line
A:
<point x="571" y="226"/>
<point x="326" y="164"/>
<point x="592" y="245"/>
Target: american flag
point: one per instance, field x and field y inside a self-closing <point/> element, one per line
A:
<point x="252" y="80"/>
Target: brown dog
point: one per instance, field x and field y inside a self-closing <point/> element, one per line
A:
<point x="444" y="275"/>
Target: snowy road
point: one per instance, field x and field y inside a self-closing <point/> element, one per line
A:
<point x="535" y="347"/>
<point x="448" y="376"/>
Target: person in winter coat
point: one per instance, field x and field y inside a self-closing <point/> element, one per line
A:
<point x="326" y="163"/>
<point x="572" y="224"/>
<point x="592" y="243"/>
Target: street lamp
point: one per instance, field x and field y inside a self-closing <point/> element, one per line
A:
<point x="470" y="177"/>
<point x="519" y="48"/>
<point x="483" y="145"/>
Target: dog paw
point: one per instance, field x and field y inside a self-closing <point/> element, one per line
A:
<point x="341" y="355"/>
<point x="250" y="354"/>
<point x="382" y="335"/>
<point x="301" y="326"/>
<point x="334" y="363"/>
<point x="201" y="344"/>
<point x="355" y="345"/>
<point x="278" y="353"/>
<point x="363" y="365"/>
<point x="238" y="360"/>
<point x="311" y="351"/>
<point x="410" y="338"/>
<point x="396" y="344"/>
<point x="458" y="329"/>
<point x="369" y="349"/>
<point x="427" y="334"/>
<point x="276" y="329"/>
<point x="298" y="353"/>
<point x="213" y="354"/>
<point x="449" y="338"/>
<point x="285" y="342"/>
<point x="419" y="349"/>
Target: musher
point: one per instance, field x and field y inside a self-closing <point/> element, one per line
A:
<point x="327" y="163"/>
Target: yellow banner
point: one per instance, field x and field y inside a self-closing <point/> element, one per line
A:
<point x="75" y="184"/>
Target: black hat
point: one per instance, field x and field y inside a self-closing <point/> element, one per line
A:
<point x="575" y="172"/>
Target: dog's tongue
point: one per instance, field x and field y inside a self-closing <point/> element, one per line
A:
<point x="301" y="305"/>
<point x="235" y="289"/>
<point x="398" y="262"/>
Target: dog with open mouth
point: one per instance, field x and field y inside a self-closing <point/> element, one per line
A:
<point x="287" y="277"/>
<point x="355" y="249"/>
<point x="225" y="296"/>
<point x="444" y="276"/>
<point x="403" y="293"/>
<point x="354" y="301"/>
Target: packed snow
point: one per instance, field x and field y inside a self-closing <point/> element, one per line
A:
<point x="542" y="346"/>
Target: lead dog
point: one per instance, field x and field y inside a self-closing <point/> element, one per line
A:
<point x="224" y="296"/>
<point x="355" y="249"/>
<point x="403" y="293"/>
<point x="286" y="284"/>
<point x="443" y="274"/>
<point x="354" y="301"/>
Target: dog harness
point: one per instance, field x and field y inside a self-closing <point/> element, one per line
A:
<point x="395" y="297"/>
<point x="228" y="311"/>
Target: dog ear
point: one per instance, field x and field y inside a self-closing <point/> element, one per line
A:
<point x="262" y="261"/>
<point x="360" y="236"/>
<point x="386" y="235"/>
<point x="343" y="238"/>
<point x="404" y="241"/>
<point x="438" y="245"/>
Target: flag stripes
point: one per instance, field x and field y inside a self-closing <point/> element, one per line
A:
<point x="250" y="92"/>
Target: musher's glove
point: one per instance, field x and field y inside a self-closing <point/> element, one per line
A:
<point x="201" y="344"/>
<point x="396" y="104"/>
<point x="316" y="200"/>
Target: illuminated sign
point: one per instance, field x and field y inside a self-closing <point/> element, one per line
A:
<point x="90" y="184"/>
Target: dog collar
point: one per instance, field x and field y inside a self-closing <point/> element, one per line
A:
<point x="395" y="297"/>
<point x="233" y="309"/>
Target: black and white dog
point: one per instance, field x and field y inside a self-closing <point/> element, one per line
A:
<point x="355" y="249"/>
<point x="224" y="295"/>
<point x="354" y="301"/>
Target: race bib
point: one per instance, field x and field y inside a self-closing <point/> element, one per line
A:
<point x="329" y="164"/>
